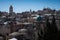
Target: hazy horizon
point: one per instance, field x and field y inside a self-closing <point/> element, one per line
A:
<point x="26" y="5"/>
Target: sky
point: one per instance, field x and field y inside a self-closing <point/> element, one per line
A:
<point x="26" y="5"/>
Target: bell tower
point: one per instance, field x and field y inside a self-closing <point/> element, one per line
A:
<point x="11" y="9"/>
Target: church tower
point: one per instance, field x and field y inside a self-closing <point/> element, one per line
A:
<point x="11" y="10"/>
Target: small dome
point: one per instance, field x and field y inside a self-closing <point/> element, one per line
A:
<point x="39" y="18"/>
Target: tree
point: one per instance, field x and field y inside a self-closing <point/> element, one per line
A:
<point x="53" y="25"/>
<point x="39" y="37"/>
<point x="0" y="13"/>
<point x="48" y="25"/>
<point x="47" y="30"/>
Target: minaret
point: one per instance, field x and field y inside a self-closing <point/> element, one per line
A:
<point x="10" y="9"/>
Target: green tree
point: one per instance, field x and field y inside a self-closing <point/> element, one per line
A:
<point x="53" y="25"/>
<point x="0" y="13"/>
<point x="48" y="26"/>
<point x="47" y="30"/>
<point x="39" y="37"/>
